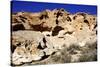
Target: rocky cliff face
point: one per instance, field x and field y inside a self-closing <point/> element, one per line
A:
<point x="51" y="37"/>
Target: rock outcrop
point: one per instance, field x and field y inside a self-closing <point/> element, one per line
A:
<point x="55" y="36"/>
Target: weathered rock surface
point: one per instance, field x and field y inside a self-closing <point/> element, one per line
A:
<point x="53" y="37"/>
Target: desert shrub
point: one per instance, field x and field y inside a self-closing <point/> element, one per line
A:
<point x="64" y="57"/>
<point x="89" y="53"/>
<point x="86" y="58"/>
<point x="91" y="46"/>
<point x="74" y="47"/>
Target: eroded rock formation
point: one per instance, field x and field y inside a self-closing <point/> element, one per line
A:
<point x="55" y="36"/>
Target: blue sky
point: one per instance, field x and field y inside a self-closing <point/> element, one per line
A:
<point x="18" y="6"/>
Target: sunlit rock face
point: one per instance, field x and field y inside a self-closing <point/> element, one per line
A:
<point x="51" y="37"/>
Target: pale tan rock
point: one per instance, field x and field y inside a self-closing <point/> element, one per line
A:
<point x="39" y="37"/>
